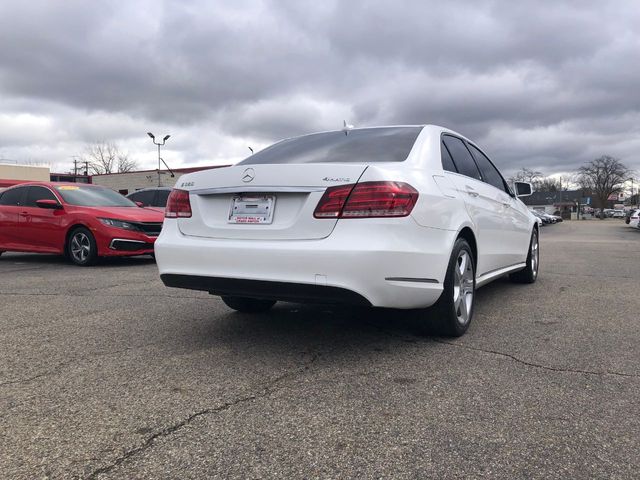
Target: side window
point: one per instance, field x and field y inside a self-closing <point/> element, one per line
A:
<point x="161" y="199"/>
<point x="490" y="173"/>
<point x="447" y="161"/>
<point x="12" y="197"/>
<point x="38" y="193"/>
<point x="146" y="197"/>
<point x="461" y="157"/>
<point x="134" y="197"/>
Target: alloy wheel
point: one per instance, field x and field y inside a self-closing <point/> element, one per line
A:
<point x="535" y="255"/>
<point x="80" y="247"/>
<point x="463" y="287"/>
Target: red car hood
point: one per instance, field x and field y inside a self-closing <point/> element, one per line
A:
<point x="131" y="214"/>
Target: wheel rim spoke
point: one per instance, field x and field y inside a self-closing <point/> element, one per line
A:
<point x="80" y="247"/>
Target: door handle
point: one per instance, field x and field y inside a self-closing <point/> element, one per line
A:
<point x="24" y="214"/>
<point x="471" y="191"/>
<point x="506" y="205"/>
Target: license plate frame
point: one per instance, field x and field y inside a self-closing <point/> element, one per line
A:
<point x="252" y="209"/>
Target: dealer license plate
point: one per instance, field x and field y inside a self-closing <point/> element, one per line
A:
<point x="254" y="209"/>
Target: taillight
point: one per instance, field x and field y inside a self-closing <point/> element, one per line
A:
<point x="367" y="200"/>
<point x="332" y="202"/>
<point x="178" y="204"/>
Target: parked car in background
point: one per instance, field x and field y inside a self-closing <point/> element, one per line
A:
<point x="546" y="218"/>
<point x="539" y="218"/>
<point x="618" y="214"/>
<point x="154" y="198"/>
<point x="401" y="217"/>
<point x="83" y="222"/>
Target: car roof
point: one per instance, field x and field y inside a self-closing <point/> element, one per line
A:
<point x="54" y="184"/>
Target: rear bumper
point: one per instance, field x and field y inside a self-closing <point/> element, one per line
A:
<point x="289" y="292"/>
<point x="391" y="263"/>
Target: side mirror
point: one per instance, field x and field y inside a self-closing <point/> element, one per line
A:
<point x="49" y="204"/>
<point x="523" y="189"/>
<point x="140" y="204"/>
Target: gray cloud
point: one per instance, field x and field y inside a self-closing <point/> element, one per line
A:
<point x="540" y="86"/>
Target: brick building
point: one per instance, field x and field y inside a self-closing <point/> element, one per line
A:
<point x="129" y="182"/>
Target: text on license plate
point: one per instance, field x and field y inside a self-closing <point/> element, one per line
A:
<point x="252" y="209"/>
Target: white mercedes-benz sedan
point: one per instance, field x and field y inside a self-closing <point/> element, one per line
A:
<point x="404" y="217"/>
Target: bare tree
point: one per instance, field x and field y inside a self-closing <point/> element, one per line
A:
<point x="604" y="176"/>
<point x="126" y="164"/>
<point x="526" y="175"/>
<point x="106" y="157"/>
<point x="549" y="184"/>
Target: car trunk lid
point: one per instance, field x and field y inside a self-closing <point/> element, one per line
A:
<point x="223" y="200"/>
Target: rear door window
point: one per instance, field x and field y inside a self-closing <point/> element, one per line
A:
<point x="447" y="161"/>
<point x="490" y="173"/>
<point x="38" y="193"/>
<point x="462" y="157"/>
<point x="13" y="197"/>
<point x="365" y="145"/>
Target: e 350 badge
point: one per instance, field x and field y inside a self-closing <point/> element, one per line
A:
<point x="186" y="184"/>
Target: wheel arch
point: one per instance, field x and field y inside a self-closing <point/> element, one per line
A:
<point x="70" y="229"/>
<point x="467" y="233"/>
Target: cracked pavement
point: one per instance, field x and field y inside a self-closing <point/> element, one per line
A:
<point x="105" y="373"/>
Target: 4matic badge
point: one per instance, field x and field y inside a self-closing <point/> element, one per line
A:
<point x="336" y="179"/>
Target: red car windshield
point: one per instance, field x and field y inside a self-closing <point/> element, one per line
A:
<point x="93" y="196"/>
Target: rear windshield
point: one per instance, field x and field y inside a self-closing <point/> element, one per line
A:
<point x="93" y="196"/>
<point x="366" y="145"/>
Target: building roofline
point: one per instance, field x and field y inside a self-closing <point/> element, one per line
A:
<point x="176" y="170"/>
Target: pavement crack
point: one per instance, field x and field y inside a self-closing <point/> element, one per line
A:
<point x="415" y="339"/>
<point x="537" y="365"/>
<point x="264" y="391"/>
<point x="58" y="368"/>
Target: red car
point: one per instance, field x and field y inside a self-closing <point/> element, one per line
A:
<point x="83" y="222"/>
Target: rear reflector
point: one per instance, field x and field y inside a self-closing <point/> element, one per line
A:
<point x="178" y="204"/>
<point x="367" y="200"/>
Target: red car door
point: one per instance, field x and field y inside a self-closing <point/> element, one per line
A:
<point x="40" y="227"/>
<point x="11" y="201"/>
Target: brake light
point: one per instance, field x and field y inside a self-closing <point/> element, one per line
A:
<point x="178" y="204"/>
<point x="367" y="200"/>
<point x="332" y="202"/>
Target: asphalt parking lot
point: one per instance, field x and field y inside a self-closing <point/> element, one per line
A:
<point x="105" y="373"/>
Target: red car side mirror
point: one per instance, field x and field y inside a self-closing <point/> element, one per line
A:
<point x="50" y="204"/>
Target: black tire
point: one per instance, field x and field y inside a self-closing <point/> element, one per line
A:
<point x="248" y="305"/>
<point x="453" y="312"/>
<point x="529" y="274"/>
<point x="81" y="247"/>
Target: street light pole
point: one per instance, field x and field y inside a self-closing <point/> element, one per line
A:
<point x="153" y="139"/>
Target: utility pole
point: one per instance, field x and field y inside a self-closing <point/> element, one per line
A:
<point x="153" y="138"/>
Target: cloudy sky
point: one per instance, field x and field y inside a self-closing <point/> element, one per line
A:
<point x="546" y="85"/>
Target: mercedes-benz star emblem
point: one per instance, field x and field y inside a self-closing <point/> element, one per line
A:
<point x="248" y="175"/>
